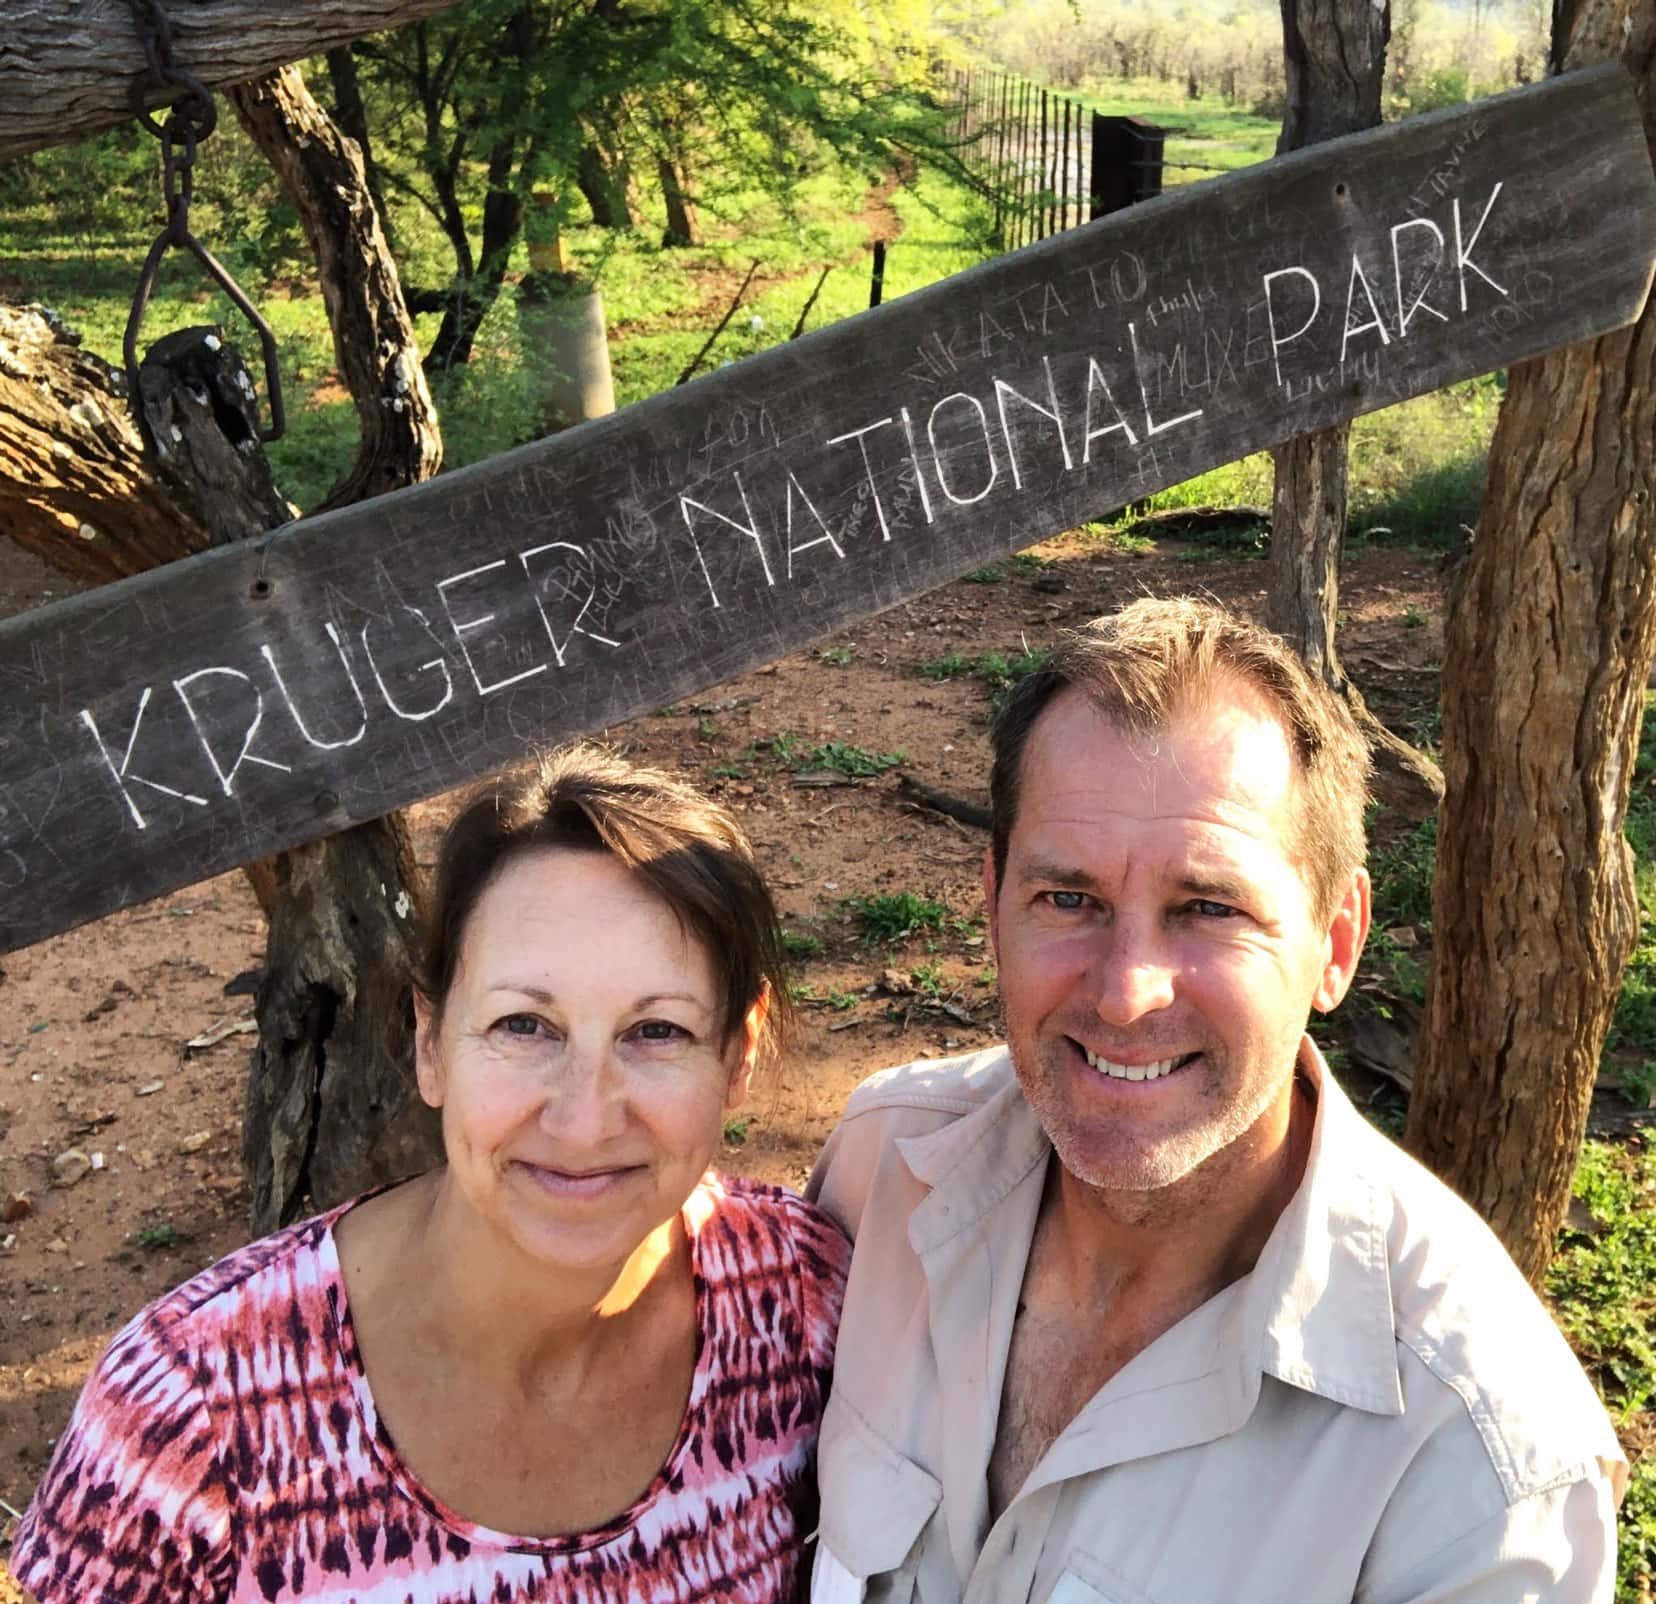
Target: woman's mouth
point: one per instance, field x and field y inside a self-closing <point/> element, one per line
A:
<point x="578" y="1184"/>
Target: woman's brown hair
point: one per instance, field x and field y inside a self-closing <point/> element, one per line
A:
<point x="685" y="847"/>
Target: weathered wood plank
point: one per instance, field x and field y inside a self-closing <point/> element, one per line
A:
<point x="67" y="66"/>
<point x="252" y="697"/>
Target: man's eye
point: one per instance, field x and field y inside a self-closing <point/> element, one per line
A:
<point x="1212" y="910"/>
<point x="1069" y="901"/>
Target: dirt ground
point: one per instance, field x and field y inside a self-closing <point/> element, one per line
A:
<point x="94" y="1025"/>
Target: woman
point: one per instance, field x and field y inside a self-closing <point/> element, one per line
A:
<point x="569" y="1365"/>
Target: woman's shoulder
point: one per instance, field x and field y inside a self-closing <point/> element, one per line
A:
<point x="269" y="1274"/>
<point x="755" y="1233"/>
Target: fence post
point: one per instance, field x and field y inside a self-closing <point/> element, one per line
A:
<point x="1126" y="162"/>
<point x="1046" y="174"/>
<point x="998" y="177"/>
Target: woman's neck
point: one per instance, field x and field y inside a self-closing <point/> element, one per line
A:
<point x="477" y="1294"/>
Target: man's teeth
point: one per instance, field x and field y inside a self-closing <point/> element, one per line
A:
<point x="1130" y="1071"/>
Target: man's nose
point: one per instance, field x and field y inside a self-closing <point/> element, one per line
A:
<point x="1132" y="978"/>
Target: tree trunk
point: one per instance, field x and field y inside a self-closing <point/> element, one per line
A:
<point x="606" y="183"/>
<point x="683" y="226"/>
<point x="1334" y="53"/>
<point x="1547" y="654"/>
<point x="67" y="66"/>
<point x="332" y="1108"/>
<point x="75" y="486"/>
<point x="502" y="221"/>
<point x="323" y="173"/>
<point x="351" y="115"/>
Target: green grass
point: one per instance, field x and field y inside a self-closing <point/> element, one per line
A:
<point x="1633" y="1027"/>
<point x="997" y="670"/>
<point x="798" y="944"/>
<point x="81" y="253"/>
<point x="1603" y="1290"/>
<point x="1207" y="134"/>
<point x="896" y="916"/>
<point x="838" y="757"/>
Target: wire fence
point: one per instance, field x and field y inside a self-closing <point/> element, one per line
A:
<point x="1048" y="162"/>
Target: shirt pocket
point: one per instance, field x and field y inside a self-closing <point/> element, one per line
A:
<point x="1087" y="1581"/>
<point x="875" y="1507"/>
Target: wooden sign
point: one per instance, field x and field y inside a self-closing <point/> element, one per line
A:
<point x="162" y="729"/>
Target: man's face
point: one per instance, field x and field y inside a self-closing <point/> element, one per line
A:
<point x="1157" y="946"/>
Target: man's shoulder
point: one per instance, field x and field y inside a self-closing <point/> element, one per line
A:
<point x="930" y="1091"/>
<point x="1468" y="1325"/>
<point x="914" y="1100"/>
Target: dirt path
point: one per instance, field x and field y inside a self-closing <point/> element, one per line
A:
<point x="93" y="1024"/>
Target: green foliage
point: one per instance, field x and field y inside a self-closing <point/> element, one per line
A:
<point x="1633" y="1026"/>
<point x="928" y="980"/>
<point x="736" y="1128"/>
<point x="1603" y="1288"/>
<point x="855" y="762"/>
<point x="836" y="656"/>
<point x="1402" y="866"/>
<point x="157" y="1238"/>
<point x="798" y="944"/>
<point x="896" y="916"/>
<point x="998" y="671"/>
<point x="840" y="1001"/>
<point x="1232" y="541"/>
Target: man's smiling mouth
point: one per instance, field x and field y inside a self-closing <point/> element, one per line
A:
<point x="1153" y="1071"/>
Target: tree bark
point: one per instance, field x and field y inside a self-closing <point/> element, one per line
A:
<point x="1547" y="654"/>
<point x="606" y="184"/>
<point x="1334" y="53"/>
<point x="67" y="66"/>
<point x="683" y="226"/>
<point x="323" y="173"/>
<point x="332" y="1108"/>
<point x="75" y="486"/>
<point x="351" y="116"/>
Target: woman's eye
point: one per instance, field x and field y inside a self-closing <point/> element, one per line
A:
<point x="660" y="1030"/>
<point x="520" y="1025"/>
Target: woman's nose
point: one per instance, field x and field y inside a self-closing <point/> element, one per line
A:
<point x="586" y="1101"/>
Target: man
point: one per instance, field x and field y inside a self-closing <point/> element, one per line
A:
<point x="1141" y="1310"/>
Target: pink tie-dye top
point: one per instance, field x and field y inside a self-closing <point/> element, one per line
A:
<point x="227" y="1447"/>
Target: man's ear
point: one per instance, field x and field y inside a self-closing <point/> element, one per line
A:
<point x="991" y="903"/>
<point x="428" y="1067"/>
<point x="1344" y="944"/>
<point x="753" y="1030"/>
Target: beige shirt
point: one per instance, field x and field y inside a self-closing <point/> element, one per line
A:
<point x="1380" y="1411"/>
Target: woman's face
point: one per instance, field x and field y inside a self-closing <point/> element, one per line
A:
<point x="580" y="1061"/>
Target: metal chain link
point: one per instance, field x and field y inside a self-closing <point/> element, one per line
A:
<point x="192" y="115"/>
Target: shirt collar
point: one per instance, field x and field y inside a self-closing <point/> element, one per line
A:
<point x="1316" y="1310"/>
<point x="1320" y="1297"/>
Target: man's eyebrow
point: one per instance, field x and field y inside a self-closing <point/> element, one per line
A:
<point x="1215" y="887"/>
<point x="1064" y="875"/>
